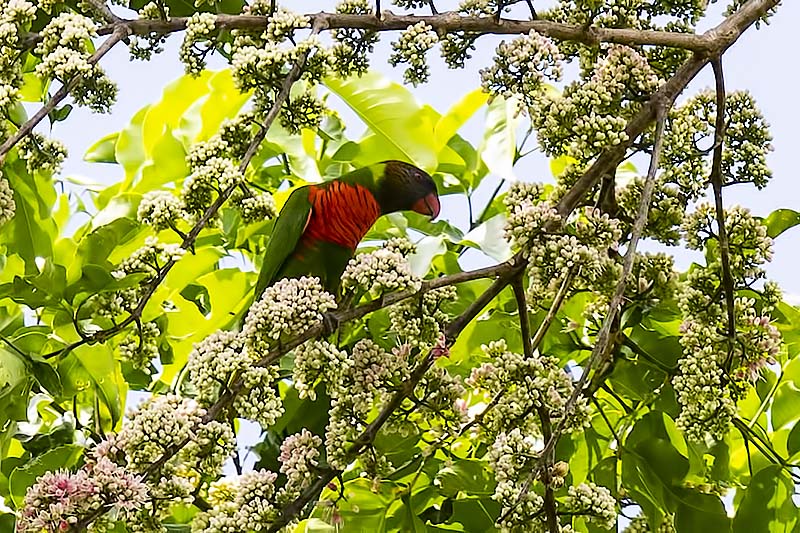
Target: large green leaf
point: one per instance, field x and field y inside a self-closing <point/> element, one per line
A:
<point x="400" y="125"/>
<point x="458" y="115"/>
<point x="499" y="144"/>
<point x="23" y="477"/>
<point x="780" y="220"/>
<point x="90" y="371"/>
<point x="767" y="504"/>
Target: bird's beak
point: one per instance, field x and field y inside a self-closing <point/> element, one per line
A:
<point x="429" y="205"/>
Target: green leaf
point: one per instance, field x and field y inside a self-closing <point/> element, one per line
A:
<point x="780" y="220"/>
<point x="401" y="127"/>
<point x="62" y="457"/>
<point x="103" y="150"/>
<point x="457" y="116"/>
<point x="90" y="370"/>
<point x="467" y="476"/>
<point x="488" y="238"/>
<point x="767" y="503"/>
<point x="701" y="512"/>
<point x="427" y="248"/>
<point x="499" y="144"/>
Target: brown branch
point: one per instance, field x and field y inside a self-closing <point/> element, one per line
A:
<point x="442" y="23"/>
<point x="104" y="11"/>
<point x="120" y="33"/>
<point x="524" y="320"/>
<point x="716" y="179"/>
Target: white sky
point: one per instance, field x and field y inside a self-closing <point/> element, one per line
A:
<point x="763" y="61"/>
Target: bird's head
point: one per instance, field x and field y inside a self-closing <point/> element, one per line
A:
<point x="404" y="187"/>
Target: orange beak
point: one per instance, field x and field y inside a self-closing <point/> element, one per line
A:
<point x="429" y="205"/>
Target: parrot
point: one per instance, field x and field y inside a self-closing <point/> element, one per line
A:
<point x="321" y="224"/>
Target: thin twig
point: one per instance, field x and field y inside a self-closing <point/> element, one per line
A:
<point x="599" y="353"/>
<point x="716" y="184"/>
<point x="120" y="33"/>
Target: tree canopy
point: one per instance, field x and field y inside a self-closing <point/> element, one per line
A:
<point x="575" y="384"/>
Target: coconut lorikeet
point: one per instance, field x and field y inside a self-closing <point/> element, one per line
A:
<point x="321" y="224"/>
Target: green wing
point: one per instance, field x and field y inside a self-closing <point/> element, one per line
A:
<point x="285" y="235"/>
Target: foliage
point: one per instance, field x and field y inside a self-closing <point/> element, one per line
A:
<point x="565" y="386"/>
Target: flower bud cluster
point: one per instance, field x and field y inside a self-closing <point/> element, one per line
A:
<point x="303" y="111"/>
<point x="199" y="29"/>
<point x="213" y="362"/>
<point x="141" y="348"/>
<point x="715" y="369"/>
<point x="366" y="377"/>
<point x="512" y="456"/>
<point x="689" y="142"/>
<point x="59" y="500"/>
<point x="419" y="320"/>
<point x="591" y="115"/>
<point x="160" y="210"/>
<point x="653" y="278"/>
<point x="758" y="341"/>
<point x="381" y="271"/>
<point x="456" y="46"/>
<point x="442" y="395"/>
<point x="259" y="401"/>
<point x="143" y="47"/>
<point x="64" y="49"/>
<point x="146" y="262"/>
<point x="41" y="154"/>
<point x="261" y="65"/>
<point x="666" y="213"/>
<point x="172" y="426"/>
<point x="16" y="17"/>
<point x="520" y="68"/>
<point x="283" y="23"/>
<point x="527" y="386"/>
<point x="299" y="457"/>
<point x="241" y="503"/>
<point x="231" y="141"/>
<point x="750" y="245"/>
<point x="352" y="46"/>
<point x="315" y="362"/>
<point x="216" y="175"/>
<point x="411" y="48"/>
<point x="258" y="208"/>
<point x="7" y="205"/>
<point x="582" y="247"/>
<point x="594" y="501"/>
<point x="287" y="308"/>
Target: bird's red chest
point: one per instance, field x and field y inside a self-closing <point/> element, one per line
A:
<point x="341" y="213"/>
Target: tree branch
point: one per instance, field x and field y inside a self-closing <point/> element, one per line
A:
<point x="120" y="32"/>
<point x="599" y="353"/>
<point x="442" y="22"/>
<point x="716" y="184"/>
